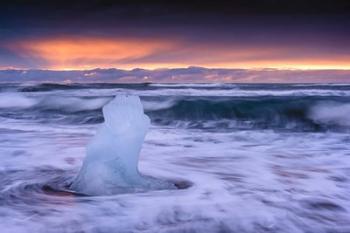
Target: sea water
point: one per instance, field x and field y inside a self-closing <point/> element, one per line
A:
<point x="261" y="158"/>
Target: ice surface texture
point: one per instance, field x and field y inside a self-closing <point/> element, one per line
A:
<point x="111" y="162"/>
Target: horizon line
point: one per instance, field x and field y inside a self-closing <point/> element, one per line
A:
<point x="179" y="67"/>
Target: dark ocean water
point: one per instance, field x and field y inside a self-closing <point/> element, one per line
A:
<point x="261" y="157"/>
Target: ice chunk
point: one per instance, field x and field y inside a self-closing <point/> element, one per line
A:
<point x="111" y="162"/>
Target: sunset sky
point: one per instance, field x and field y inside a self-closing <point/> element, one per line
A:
<point x="252" y="34"/>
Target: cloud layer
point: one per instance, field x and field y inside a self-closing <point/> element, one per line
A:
<point x="245" y="34"/>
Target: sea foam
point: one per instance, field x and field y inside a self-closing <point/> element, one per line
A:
<point x="331" y="113"/>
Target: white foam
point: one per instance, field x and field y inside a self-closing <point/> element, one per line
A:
<point x="157" y="105"/>
<point x="67" y="103"/>
<point x="331" y="113"/>
<point x="16" y="100"/>
<point x="72" y="104"/>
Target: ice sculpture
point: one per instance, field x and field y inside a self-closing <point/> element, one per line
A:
<point x="111" y="162"/>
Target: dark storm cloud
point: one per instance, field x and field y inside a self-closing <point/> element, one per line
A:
<point x="155" y="15"/>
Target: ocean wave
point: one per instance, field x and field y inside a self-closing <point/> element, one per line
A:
<point x="69" y="104"/>
<point x="202" y="89"/>
<point x="18" y="100"/>
<point x="195" y="85"/>
<point x="45" y="87"/>
<point x="214" y="92"/>
<point x="154" y="105"/>
<point x="72" y="104"/>
<point x="269" y="112"/>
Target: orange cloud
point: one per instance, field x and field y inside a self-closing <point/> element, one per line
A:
<point x="87" y="53"/>
<point x="73" y="53"/>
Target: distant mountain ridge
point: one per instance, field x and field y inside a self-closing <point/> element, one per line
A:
<point x="177" y="75"/>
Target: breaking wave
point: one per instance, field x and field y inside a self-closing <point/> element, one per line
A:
<point x="274" y="112"/>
